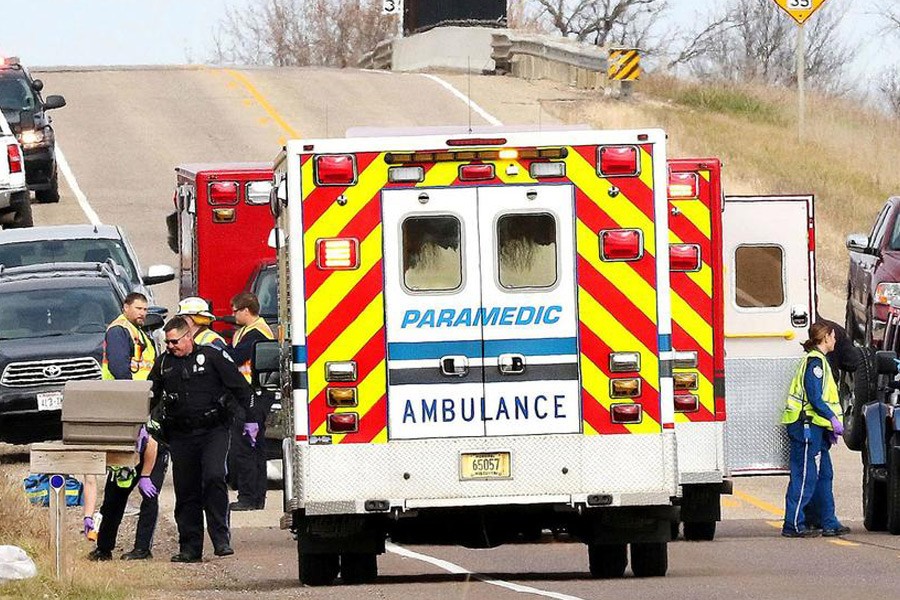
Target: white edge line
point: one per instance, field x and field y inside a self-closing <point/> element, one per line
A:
<point x="73" y="185"/>
<point x="458" y="570"/>
<point x="469" y="102"/>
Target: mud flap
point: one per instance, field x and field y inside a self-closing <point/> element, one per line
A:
<point x="172" y="229"/>
<point x="875" y="414"/>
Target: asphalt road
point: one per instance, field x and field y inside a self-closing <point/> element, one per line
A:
<point x="124" y="131"/>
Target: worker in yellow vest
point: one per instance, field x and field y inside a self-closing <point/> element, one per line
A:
<point x="248" y="455"/>
<point x="812" y="414"/>
<point x="199" y="317"/>
<point x="129" y="353"/>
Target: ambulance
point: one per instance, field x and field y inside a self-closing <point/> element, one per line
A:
<point x="743" y="295"/>
<point x="476" y="341"/>
<point x="220" y="230"/>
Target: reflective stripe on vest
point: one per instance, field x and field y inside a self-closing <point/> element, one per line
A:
<point x="259" y="325"/>
<point x="796" y="400"/>
<point x="208" y="337"/>
<point x="143" y="353"/>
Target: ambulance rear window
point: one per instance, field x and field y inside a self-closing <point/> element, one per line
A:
<point x="526" y="247"/>
<point x="758" y="274"/>
<point x="432" y="255"/>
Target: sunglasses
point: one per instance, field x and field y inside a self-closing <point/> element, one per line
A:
<point x="175" y="341"/>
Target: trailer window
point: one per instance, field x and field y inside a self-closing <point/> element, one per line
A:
<point x="526" y="249"/>
<point x="432" y="254"/>
<point x="758" y="274"/>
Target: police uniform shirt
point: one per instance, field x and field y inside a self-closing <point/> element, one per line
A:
<point x="200" y="380"/>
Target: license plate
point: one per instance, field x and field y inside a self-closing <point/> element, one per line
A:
<point x="50" y="401"/>
<point x="484" y="465"/>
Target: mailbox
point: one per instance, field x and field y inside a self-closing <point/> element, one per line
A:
<point x="104" y="411"/>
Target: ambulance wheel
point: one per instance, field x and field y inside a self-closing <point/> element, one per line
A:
<point x="318" y="569"/>
<point x="700" y="531"/>
<point x="359" y="568"/>
<point x="874" y="497"/>
<point x="607" y="561"/>
<point x="893" y="485"/>
<point x="650" y="559"/>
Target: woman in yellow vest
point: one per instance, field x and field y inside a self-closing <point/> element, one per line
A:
<point x="812" y="415"/>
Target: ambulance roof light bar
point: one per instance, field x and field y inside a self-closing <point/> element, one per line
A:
<point x="476" y="142"/>
<point x="9" y="61"/>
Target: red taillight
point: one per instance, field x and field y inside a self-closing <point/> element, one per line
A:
<point x="335" y="169"/>
<point x="618" y="161"/>
<point x="14" y="156"/>
<point x="685" y="402"/>
<point x="621" y="244"/>
<point x="223" y="192"/>
<point x="337" y="254"/>
<point x="683" y="186"/>
<point x="343" y="422"/>
<point x="626" y="413"/>
<point x="684" y="257"/>
<point x="476" y="172"/>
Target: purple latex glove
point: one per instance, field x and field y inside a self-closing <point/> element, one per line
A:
<point x="833" y="437"/>
<point x="251" y="430"/>
<point x="88" y="525"/>
<point x="142" y="438"/>
<point x="837" y="426"/>
<point x="148" y="490"/>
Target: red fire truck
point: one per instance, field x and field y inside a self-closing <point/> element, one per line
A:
<point x="220" y="229"/>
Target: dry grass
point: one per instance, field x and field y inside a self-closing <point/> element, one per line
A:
<point x="27" y="526"/>
<point x="850" y="158"/>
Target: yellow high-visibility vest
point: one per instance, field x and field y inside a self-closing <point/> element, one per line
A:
<point x="143" y="352"/>
<point x="259" y="325"/>
<point x="797" y="401"/>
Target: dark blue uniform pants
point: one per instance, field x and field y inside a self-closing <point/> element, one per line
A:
<point x="247" y="465"/>
<point x="198" y="471"/>
<point x="115" y="499"/>
<point x="810" y="489"/>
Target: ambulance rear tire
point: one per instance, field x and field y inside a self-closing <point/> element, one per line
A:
<point x="607" y="561"/>
<point x="318" y="569"/>
<point x="358" y="569"/>
<point x="700" y="531"/>
<point x="650" y="559"/>
<point x="893" y="485"/>
<point x="874" y="497"/>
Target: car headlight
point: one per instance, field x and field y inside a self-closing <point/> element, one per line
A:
<point x="32" y="136"/>
<point x="885" y="292"/>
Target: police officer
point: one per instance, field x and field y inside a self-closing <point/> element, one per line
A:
<point x="248" y="452"/>
<point x="191" y="384"/>
<point x="812" y="414"/>
<point x="197" y="313"/>
<point x="128" y="353"/>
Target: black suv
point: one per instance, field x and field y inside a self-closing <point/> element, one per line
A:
<point x="52" y="326"/>
<point x="25" y="110"/>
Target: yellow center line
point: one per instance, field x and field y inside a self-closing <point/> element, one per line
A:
<point x="266" y="106"/>
<point x="759" y="503"/>
<point x="843" y="543"/>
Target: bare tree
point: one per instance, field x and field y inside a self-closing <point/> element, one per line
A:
<point x="525" y="16"/>
<point x="298" y="32"/>
<point x="753" y="40"/>
<point x="890" y="81"/>
<point x="603" y="22"/>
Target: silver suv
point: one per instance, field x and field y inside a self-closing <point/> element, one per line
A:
<point x="15" y="205"/>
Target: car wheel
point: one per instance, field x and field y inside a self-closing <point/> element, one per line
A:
<point x="893" y="485"/>
<point x="22" y="217"/>
<point x="856" y="390"/>
<point x="607" y="561"/>
<point x="49" y="196"/>
<point x="874" y="497"/>
<point x="650" y="559"/>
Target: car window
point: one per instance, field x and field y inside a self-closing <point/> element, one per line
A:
<point x="877" y="233"/>
<point x="15" y="93"/>
<point x="266" y="289"/>
<point x="50" y="251"/>
<point x="49" y="312"/>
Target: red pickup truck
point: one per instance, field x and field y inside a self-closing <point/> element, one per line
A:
<point x="874" y="278"/>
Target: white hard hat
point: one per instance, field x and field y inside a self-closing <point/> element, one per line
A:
<point x="195" y="306"/>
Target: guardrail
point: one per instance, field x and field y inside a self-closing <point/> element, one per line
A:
<point x="381" y="57"/>
<point x="534" y="56"/>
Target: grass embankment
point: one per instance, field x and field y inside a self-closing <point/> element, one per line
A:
<point x="849" y="157"/>
<point x="27" y="526"/>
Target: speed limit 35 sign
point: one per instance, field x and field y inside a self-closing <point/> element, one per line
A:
<point x="799" y="10"/>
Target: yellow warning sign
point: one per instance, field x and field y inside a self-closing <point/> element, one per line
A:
<point x="624" y="64"/>
<point x="800" y="10"/>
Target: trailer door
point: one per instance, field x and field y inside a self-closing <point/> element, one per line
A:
<point x="769" y="259"/>
<point x="432" y="301"/>
<point x="529" y="304"/>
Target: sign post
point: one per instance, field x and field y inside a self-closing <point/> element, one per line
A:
<point x="58" y="523"/>
<point x="800" y="11"/>
<point x="394" y="7"/>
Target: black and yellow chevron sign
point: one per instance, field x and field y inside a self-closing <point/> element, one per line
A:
<point x="624" y="64"/>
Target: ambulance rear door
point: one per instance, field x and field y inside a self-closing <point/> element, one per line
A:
<point x="769" y="260"/>
<point x="530" y="325"/>
<point x="432" y="299"/>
